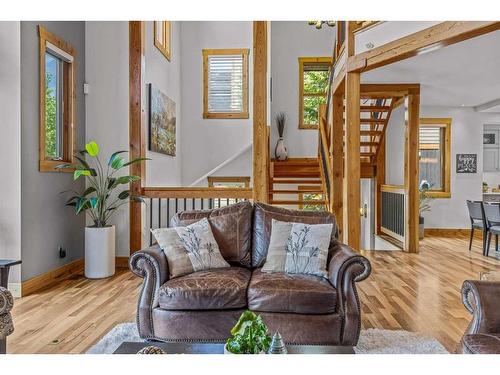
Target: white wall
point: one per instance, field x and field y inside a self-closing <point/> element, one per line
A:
<point x="289" y="41"/>
<point x="107" y="104"/>
<point x="10" y="145"/>
<point x="466" y="138"/>
<point x="164" y="170"/>
<point x="394" y="141"/>
<point x="206" y="143"/>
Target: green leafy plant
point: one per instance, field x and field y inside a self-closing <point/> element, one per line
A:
<point x="99" y="199"/>
<point x="249" y="335"/>
<point x="425" y="199"/>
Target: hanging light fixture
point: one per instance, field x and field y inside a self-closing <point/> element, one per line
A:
<point x="319" y="24"/>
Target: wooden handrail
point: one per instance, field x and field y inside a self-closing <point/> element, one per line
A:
<point x="197" y="192"/>
<point x="400" y="189"/>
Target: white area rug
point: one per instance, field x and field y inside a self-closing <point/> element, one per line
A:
<point x="371" y="341"/>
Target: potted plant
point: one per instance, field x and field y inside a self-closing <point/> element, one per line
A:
<point x="280" y="151"/>
<point x="424" y="205"/>
<point x="248" y="336"/>
<point x="485" y="187"/>
<point x="100" y="200"/>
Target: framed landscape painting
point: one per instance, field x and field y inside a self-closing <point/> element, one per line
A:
<point x="162" y="122"/>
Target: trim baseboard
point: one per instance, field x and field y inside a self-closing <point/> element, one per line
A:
<point x="451" y="232"/>
<point x="51" y="278"/>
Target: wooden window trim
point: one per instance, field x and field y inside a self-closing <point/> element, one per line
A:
<point x="228" y="179"/>
<point x="304" y="61"/>
<point x="165" y="46"/>
<point x="69" y="145"/>
<point x="225" y="115"/>
<point x="445" y="192"/>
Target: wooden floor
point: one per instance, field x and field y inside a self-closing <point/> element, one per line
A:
<point x="415" y="292"/>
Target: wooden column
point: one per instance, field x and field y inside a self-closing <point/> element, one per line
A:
<point x="337" y="142"/>
<point x="380" y="180"/>
<point x="260" y="172"/>
<point x="137" y="127"/>
<point x="351" y="204"/>
<point x="411" y="176"/>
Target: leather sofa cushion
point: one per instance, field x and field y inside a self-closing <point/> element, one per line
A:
<point x="218" y="289"/>
<point x="231" y="226"/>
<point x="262" y="224"/>
<point x="290" y="293"/>
<point x="481" y="343"/>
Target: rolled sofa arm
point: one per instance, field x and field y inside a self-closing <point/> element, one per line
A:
<point x="151" y="264"/>
<point x="6" y="303"/>
<point x="347" y="267"/>
<point x="481" y="299"/>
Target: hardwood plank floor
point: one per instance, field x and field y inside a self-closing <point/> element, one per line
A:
<point x="415" y="292"/>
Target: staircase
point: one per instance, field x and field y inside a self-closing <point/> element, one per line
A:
<point x="296" y="183"/>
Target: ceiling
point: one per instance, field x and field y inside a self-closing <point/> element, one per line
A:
<point x="463" y="74"/>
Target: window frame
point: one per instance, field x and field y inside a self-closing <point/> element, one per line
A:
<point x="164" y="45"/>
<point x="304" y="61"/>
<point x="47" y="164"/>
<point x="244" y="52"/>
<point x="445" y="191"/>
<point x="229" y="179"/>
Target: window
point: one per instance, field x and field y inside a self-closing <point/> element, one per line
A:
<point x="227" y="182"/>
<point x="225" y="83"/>
<point x="434" y="155"/>
<point x="56" y="102"/>
<point x="313" y="84"/>
<point x="306" y="193"/>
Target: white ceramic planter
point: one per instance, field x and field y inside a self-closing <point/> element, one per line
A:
<point x="280" y="150"/>
<point x="99" y="252"/>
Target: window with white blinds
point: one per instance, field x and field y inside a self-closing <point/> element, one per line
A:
<point x="225" y="83"/>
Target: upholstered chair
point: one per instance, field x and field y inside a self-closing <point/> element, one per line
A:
<point x="6" y="326"/>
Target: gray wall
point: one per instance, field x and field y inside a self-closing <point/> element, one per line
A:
<point x="10" y="146"/>
<point x="289" y="41"/>
<point x="46" y="222"/>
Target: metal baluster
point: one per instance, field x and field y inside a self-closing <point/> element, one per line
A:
<point x="202" y="203"/>
<point x="227" y="202"/>
<point x="150" y="221"/>
<point x="168" y="212"/>
<point x="185" y="200"/>
<point x="159" y="212"/>
<point x="193" y="206"/>
<point x="176" y="205"/>
<point x="211" y="203"/>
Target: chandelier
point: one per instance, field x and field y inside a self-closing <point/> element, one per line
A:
<point x="319" y="24"/>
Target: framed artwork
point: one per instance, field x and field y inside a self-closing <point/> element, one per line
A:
<point x="162" y="122"/>
<point x="162" y="37"/>
<point x="466" y="163"/>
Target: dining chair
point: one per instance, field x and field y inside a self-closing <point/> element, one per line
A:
<point x="477" y="221"/>
<point x="492" y="214"/>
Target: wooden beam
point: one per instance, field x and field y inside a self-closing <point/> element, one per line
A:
<point x="337" y="137"/>
<point x="137" y="126"/>
<point x="351" y="204"/>
<point x="260" y="170"/>
<point x="380" y="180"/>
<point x="197" y="192"/>
<point x="411" y="174"/>
<point x="434" y="37"/>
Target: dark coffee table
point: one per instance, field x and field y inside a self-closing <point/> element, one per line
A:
<point x="218" y="348"/>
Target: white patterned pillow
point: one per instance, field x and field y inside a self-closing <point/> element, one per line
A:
<point x="190" y="249"/>
<point x="298" y="248"/>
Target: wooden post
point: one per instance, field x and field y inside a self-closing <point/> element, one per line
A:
<point x="337" y="144"/>
<point x="137" y="128"/>
<point x="352" y="201"/>
<point x="260" y="172"/>
<point x="411" y="177"/>
<point x="380" y="180"/>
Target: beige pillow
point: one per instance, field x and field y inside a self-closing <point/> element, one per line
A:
<point x="298" y="248"/>
<point x="190" y="249"/>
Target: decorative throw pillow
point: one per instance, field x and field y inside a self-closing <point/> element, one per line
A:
<point x="298" y="248"/>
<point x="190" y="249"/>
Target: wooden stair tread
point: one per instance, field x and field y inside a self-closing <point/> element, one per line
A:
<point x="295" y="181"/>
<point x="298" y="202"/>
<point x="296" y="191"/>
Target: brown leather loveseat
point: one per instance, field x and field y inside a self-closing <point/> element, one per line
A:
<point x="205" y="305"/>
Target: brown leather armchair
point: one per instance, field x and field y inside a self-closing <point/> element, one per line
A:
<point x="205" y="305"/>
<point x="482" y="300"/>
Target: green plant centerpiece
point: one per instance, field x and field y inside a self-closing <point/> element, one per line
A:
<point x="249" y="335"/>
<point x="99" y="199"/>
